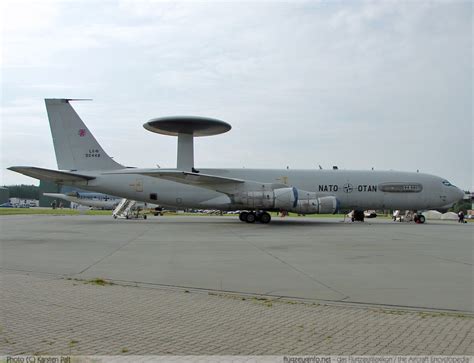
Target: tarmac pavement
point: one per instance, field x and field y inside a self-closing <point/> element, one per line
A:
<point x="376" y="262"/>
<point x="214" y="285"/>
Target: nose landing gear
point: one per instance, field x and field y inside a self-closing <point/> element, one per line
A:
<point x="419" y="218"/>
<point x="409" y="216"/>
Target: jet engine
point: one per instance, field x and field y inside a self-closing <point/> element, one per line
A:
<point x="289" y="199"/>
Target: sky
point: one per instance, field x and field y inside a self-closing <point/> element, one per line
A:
<point x="360" y="84"/>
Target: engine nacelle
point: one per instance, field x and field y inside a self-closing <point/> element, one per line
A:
<point x="289" y="199"/>
<point x="285" y="198"/>
<point x="328" y="205"/>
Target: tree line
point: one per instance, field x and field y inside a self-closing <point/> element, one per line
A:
<point x="23" y="191"/>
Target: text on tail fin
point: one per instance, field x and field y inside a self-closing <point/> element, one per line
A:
<point x="75" y="146"/>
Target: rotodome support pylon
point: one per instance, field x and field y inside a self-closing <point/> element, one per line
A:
<point x="186" y="128"/>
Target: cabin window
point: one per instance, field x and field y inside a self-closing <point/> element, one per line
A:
<point x="153" y="196"/>
<point x="401" y="187"/>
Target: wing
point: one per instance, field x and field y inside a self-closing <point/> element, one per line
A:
<point x="213" y="182"/>
<point x="196" y="179"/>
<point x="56" y="176"/>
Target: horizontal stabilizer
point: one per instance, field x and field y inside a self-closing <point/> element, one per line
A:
<point x="50" y="175"/>
<point x="55" y="195"/>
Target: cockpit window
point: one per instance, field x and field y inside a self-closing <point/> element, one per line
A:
<point x="448" y="184"/>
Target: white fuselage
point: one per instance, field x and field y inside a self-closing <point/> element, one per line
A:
<point x="353" y="189"/>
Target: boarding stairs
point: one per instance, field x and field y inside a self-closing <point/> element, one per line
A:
<point x="124" y="208"/>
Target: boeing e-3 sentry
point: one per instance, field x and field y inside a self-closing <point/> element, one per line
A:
<point x="82" y="162"/>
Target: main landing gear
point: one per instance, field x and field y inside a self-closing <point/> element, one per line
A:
<point x="358" y="215"/>
<point x="252" y="217"/>
<point x="419" y="218"/>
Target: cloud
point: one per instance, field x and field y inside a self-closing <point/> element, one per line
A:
<point x="384" y="84"/>
<point x="22" y="17"/>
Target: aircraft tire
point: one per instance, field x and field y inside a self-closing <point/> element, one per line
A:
<point x="358" y="215"/>
<point x="265" y="218"/>
<point x="243" y="216"/>
<point x="420" y="218"/>
<point x="251" y="217"/>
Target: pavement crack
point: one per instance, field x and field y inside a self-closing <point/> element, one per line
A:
<point x="114" y="251"/>
<point x="450" y="260"/>
<point x="301" y="271"/>
<point x="344" y="296"/>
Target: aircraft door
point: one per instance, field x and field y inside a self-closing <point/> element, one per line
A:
<point x="139" y="185"/>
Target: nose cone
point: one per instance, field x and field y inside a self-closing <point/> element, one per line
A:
<point x="458" y="194"/>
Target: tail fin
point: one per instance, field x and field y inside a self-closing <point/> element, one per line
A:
<point x="75" y="146"/>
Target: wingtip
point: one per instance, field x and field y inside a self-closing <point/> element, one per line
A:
<point x="13" y="168"/>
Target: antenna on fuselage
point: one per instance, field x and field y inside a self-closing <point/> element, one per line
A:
<point x="186" y="128"/>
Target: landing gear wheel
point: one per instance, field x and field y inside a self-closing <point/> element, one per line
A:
<point x="243" y="216"/>
<point x="144" y="217"/>
<point x="265" y="218"/>
<point x="358" y="216"/>
<point x="251" y="217"/>
<point x="419" y="218"/>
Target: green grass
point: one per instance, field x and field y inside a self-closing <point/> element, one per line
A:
<point x="74" y="212"/>
<point x="273" y="214"/>
<point x="99" y="282"/>
<point x="312" y="215"/>
<point x="50" y="211"/>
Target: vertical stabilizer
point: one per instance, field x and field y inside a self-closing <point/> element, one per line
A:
<point x="75" y="146"/>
